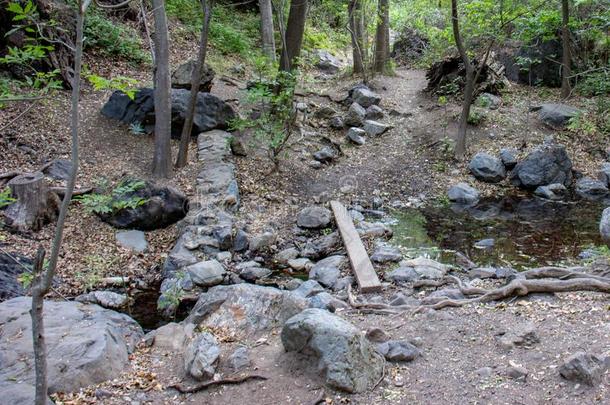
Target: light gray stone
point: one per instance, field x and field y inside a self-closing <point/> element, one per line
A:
<point x="463" y="193"/>
<point x="426" y="268"/>
<point x="326" y="271"/>
<point x="374" y="128"/>
<point x="403" y="274"/>
<point x="300" y="264"/>
<point x="239" y="359"/>
<point x="553" y="192"/>
<point x="356" y="135"/>
<point x="106" y="299"/>
<point x="254" y="273"/>
<point x="355" y="115"/>
<point x="314" y="217"/>
<point x="362" y="95"/>
<point x="604" y="225"/>
<point x="556" y="115"/>
<point x="201" y="356"/>
<point x="385" y="254"/>
<point x="374" y="112"/>
<point x="133" y="239"/>
<point x="398" y="350"/>
<point x="584" y="368"/>
<point x="206" y="273"/>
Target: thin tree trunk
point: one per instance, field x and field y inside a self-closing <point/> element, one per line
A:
<point x="355" y="19"/>
<point x="162" y="160"/>
<point x="267" y="36"/>
<point x="566" y="59"/>
<point x="460" y="145"/>
<point x="44" y="279"/>
<point x="381" y="36"/>
<point x="294" y="34"/>
<point x="187" y="129"/>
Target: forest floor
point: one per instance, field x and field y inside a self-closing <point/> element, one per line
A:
<point x="462" y="361"/>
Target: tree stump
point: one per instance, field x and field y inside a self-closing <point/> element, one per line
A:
<point x="35" y="205"/>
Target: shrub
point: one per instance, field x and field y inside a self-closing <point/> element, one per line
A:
<point x="113" y="38"/>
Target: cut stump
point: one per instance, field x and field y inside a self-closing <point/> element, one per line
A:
<point x="361" y="263"/>
<point x="35" y="205"/>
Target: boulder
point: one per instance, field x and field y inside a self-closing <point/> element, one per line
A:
<point x="181" y="77"/>
<point x="12" y="265"/>
<point x="603" y="174"/>
<point x="254" y="273"/>
<point x="487" y="168"/>
<point x="583" y="368"/>
<point x="326" y="62"/>
<point x="325" y="155"/>
<point x="398" y="350"/>
<point x="553" y="192"/>
<point x="326" y="301"/>
<point x="345" y="357"/>
<point x="326" y="271"/>
<point x="604" y="226"/>
<point x="512" y="56"/>
<point x="374" y="128"/>
<point x="239" y="359"/>
<point x="402" y="275"/>
<point x="322" y="246"/>
<point x="362" y="95"/>
<point x="426" y="268"/>
<point x="86" y="344"/>
<point x="210" y="111"/>
<point x="163" y="206"/>
<point x="488" y="100"/>
<point x="17" y="393"/>
<point x="206" y="273"/>
<point x="509" y="157"/>
<point x="546" y="165"/>
<point x="201" y="356"/>
<point x="463" y="193"/>
<point x="59" y="169"/>
<point x="133" y="240"/>
<point x="355" y="115"/>
<point x="374" y="112"/>
<point x="556" y="115"/>
<point x="591" y="189"/>
<point x="357" y="136"/>
<point x="106" y="299"/>
<point x="314" y="217"/>
<point x="244" y="309"/>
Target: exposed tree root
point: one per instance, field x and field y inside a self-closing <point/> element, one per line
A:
<point x="374" y="307"/>
<point x="225" y="381"/>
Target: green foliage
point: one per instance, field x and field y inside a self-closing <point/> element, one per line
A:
<point x="476" y="117"/>
<point x="595" y="84"/>
<point x="113" y="38"/>
<point x="6" y="198"/>
<point x="125" y="84"/>
<point x="114" y="200"/>
<point x="26" y="280"/>
<point x="96" y="267"/>
<point x="137" y="128"/>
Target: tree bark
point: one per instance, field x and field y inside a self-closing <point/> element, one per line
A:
<point x="162" y="165"/>
<point x="35" y="205"/>
<point x="382" y="36"/>
<point x="267" y="37"/>
<point x="294" y="34"/>
<point x="566" y="70"/>
<point x="43" y="283"/>
<point x="187" y="129"/>
<point x="355" y="27"/>
<point x="460" y="144"/>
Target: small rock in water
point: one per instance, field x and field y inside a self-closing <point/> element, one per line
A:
<point x="134" y="240"/>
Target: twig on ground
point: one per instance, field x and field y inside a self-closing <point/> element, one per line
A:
<point x="225" y="381"/>
<point x="320" y="398"/>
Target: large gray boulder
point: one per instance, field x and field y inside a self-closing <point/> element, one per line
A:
<point x="546" y="165"/>
<point x="181" y="77"/>
<point x="86" y="344"/>
<point x="326" y="62"/>
<point x="556" y="115"/>
<point x="487" y="168"/>
<point x="591" y="189"/>
<point x="206" y="273"/>
<point x="463" y="193"/>
<point x="245" y="309"/>
<point x="583" y="368"/>
<point x="314" y="217"/>
<point x="362" y="95"/>
<point x="345" y="357"/>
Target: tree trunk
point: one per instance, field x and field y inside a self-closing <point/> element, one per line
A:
<point x="460" y="144"/>
<point x="187" y="129"/>
<point x="40" y="346"/>
<point x="294" y="34"/>
<point x="566" y="70"/>
<point x="35" y="205"/>
<point x="267" y="37"/>
<point x="162" y="165"/>
<point x="382" y="36"/>
<point x="356" y="27"/>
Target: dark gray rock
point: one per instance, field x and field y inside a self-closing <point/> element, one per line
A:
<point x="106" y="299"/>
<point x="181" y="77"/>
<point x="261" y="242"/>
<point x="132" y="239"/>
<point x="362" y="95"/>
<point x="322" y="246"/>
<point x="326" y="62"/>
<point x="345" y="357"/>
<point x="584" y="368"/>
<point x="385" y="254"/>
<point x="604" y="174"/>
<point x="398" y="350"/>
<point x="402" y="274"/>
<point x="377" y="335"/>
<point x="533" y="74"/>
<point x="325" y="155"/>
<point x="241" y="241"/>
<point x="12" y="265"/>
<point x="59" y="169"/>
<point x="326" y="301"/>
<point x="522" y="335"/>
<point x="163" y="206"/>
<point x="86" y="344"/>
<point x="206" y="273"/>
<point x="357" y="136"/>
<point x="326" y="271"/>
<point x="254" y="273"/>
<point x="487" y="168"/>
<point x="201" y="356"/>
<point x="546" y="165"/>
<point x="239" y="359"/>
<point x="314" y="217"/>
<point x="374" y="128"/>
<point x="554" y="192"/>
<point x="604" y="225"/>
<point x="336" y="122"/>
<point x="463" y="193"/>
<point x="556" y="115"/>
<point x="374" y="112"/>
<point x="355" y="115"/>
<point x="325" y="112"/>
<point x="591" y="189"/>
<point x="508" y="157"/>
<point x="210" y="111"/>
<point x="309" y="288"/>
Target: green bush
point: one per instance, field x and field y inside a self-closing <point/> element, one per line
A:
<point x="113" y="38"/>
<point x="595" y="84"/>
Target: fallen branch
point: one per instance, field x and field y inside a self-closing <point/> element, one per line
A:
<point x="61" y="191"/>
<point x="225" y="381"/>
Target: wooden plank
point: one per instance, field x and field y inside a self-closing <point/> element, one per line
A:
<point x="361" y="264"/>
